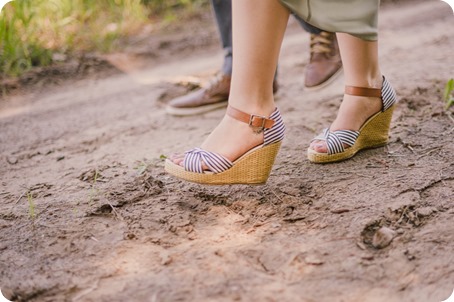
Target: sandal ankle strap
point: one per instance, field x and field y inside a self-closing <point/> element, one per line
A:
<point x="363" y="91"/>
<point x="253" y="120"/>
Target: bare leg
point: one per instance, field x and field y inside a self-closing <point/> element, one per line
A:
<point x="258" y="30"/>
<point x="360" y="61"/>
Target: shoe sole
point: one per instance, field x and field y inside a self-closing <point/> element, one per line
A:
<point x="326" y="83"/>
<point x="195" y="110"/>
<point x="373" y="134"/>
<point x="253" y="168"/>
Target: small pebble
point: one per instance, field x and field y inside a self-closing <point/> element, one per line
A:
<point x="12" y="160"/>
<point x="130" y="236"/>
<point x="383" y="237"/>
<point x="166" y="259"/>
<point x="361" y="245"/>
<point x="313" y="259"/>
<point x="423" y="212"/>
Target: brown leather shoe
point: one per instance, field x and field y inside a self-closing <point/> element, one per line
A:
<point x="325" y="63"/>
<point x="212" y="97"/>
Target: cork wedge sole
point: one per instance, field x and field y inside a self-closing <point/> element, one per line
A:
<point x="252" y="168"/>
<point x="373" y="134"/>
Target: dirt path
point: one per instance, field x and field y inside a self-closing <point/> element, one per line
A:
<point x="103" y="222"/>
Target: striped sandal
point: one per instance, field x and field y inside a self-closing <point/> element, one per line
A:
<point x="253" y="167"/>
<point x="344" y="144"/>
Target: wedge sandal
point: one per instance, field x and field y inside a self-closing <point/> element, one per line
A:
<point x="344" y="144"/>
<point x="253" y="167"/>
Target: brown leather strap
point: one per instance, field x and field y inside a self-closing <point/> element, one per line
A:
<point x="251" y="119"/>
<point x="363" y="91"/>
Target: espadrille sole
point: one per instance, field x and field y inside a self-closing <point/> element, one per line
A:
<point x="373" y="134"/>
<point x="252" y="168"/>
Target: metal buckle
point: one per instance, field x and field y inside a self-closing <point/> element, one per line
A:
<point x="257" y="129"/>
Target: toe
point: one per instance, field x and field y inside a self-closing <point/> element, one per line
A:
<point x="319" y="146"/>
<point x="177" y="159"/>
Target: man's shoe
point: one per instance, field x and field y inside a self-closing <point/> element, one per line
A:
<point x="325" y="63"/>
<point x="212" y="97"/>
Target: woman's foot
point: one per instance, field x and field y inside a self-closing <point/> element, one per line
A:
<point x="231" y="139"/>
<point x="363" y="122"/>
<point x="353" y="113"/>
<point x="228" y="155"/>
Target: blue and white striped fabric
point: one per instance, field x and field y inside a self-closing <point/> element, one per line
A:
<point x="336" y="140"/>
<point x="217" y="163"/>
<point x="276" y="133"/>
<point x="388" y="95"/>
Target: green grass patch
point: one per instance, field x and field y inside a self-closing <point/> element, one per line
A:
<point x="448" y="94"/>
<point x="32" y="31"/>
<point x="31" y="206"/>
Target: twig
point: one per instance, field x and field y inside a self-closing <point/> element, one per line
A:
<point x="20" y="197"/>
<point x="85" y="292"/>
<point x="409" y="147"/>
<point x="395" y="155"/>
<point x="115" y="211"/>
<point x="280" y="199"/>
<point x="430" y="151"/>
<point x="359" y="174"/>
<point x="294" y="218"/>
<point x="448" y="132"/>
<point x="257" y="225"/>
<point x="450" y="116"/>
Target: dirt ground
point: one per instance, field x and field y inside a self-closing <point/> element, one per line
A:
<point x="88" y="214"/>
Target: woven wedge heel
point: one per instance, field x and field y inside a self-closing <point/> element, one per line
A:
<point x="254" y="167"/>
<point x="344" y="144"/>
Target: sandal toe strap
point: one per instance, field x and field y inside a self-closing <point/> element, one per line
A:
<point x="216" y="163"/>
<point x="335" y="141"/>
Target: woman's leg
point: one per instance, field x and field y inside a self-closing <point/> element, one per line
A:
<point x="258" y="30"/>
<point x="361" y="69"/>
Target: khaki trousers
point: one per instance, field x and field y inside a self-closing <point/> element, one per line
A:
<point x="356" y="17"/>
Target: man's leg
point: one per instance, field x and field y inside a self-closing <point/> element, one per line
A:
<point x="325" y="62"/>
<point x="223" y="12"/>
<point x="216" y="93"/>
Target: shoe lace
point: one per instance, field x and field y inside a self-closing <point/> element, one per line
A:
<point x="321" y="43"/>
<point x="214" y="82"/>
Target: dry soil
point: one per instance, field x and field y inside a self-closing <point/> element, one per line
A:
<point x="88" y="214"/>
